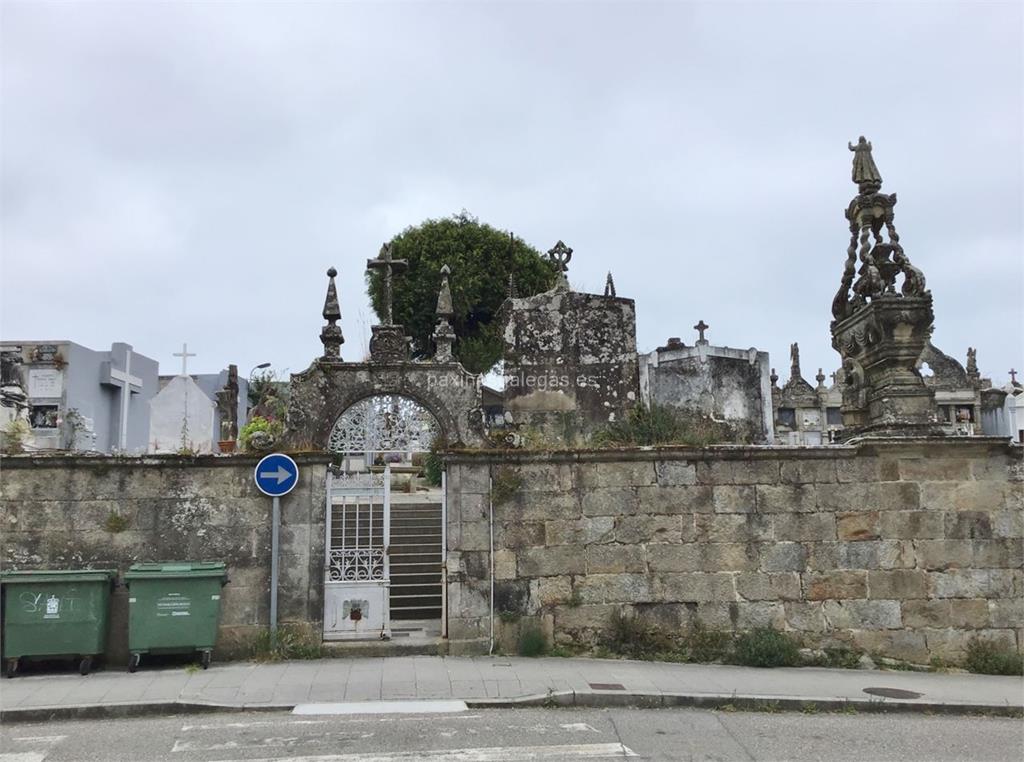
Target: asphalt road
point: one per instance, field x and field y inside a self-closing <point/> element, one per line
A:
<point x="519" y="734"/>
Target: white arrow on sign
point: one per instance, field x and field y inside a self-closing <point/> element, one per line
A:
<point x="282" y="474"/>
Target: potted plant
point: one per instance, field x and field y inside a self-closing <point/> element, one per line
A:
<point x="226" y="443"/>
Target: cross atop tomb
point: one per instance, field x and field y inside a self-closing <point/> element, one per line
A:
<point x="127" y="383"/>
<point x="561" y="255"/>
<point x="388" y="268"/>
<point x="184" y="354"/>
<point x="1013" y="376"/>
<point x="700" y="328"/>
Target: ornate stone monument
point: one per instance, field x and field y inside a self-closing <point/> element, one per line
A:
<point x="331" y="394"/>
<point x="881" y="332"/>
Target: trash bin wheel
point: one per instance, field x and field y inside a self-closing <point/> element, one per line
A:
<point x="85" y="665"/>
<point x="11" y="667"/>
<point x="206" y="659"/>
<point x="133" y="662"/>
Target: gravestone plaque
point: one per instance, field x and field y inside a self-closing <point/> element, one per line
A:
<point x="45" y="383"/>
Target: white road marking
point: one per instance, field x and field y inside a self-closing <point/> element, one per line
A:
<point x="49" y="740"/>
<point x="269" y="742"/>
<point x="579" y="727"/>
<point x="383" y="707"/>
<point x="24" y="756"/>
<point x="257" y="724"/>
<point x="485" y="754"/>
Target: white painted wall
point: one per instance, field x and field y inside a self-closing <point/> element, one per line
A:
<point x="180" y="400"/>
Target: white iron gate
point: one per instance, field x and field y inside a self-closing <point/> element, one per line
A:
<point x="356" y="564"/>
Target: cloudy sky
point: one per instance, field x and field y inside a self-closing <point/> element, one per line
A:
<point x="187" y="171"/>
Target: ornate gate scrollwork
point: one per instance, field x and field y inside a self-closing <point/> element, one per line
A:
<point x="382" y="424"/>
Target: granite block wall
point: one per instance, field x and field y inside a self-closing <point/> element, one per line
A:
<point x="905" y="549"/>
<point x="67" y="512"/>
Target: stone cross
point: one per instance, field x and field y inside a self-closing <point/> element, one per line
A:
<point x="128" y="384"/>
<point x="388" y="268"/>
<point x="561" y="255"/>
<point x="1013" y="376"/>
<point x="184" y="354"/>
<point x="700" y="328"/>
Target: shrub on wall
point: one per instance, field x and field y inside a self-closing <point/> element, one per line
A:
<point x="260" y="434"/>
<point x="663" y="425"/>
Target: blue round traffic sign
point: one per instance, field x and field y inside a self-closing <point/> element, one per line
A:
<point x="276" y="475"/>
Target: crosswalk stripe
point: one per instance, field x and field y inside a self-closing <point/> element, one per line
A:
<point x="483" y="754"/>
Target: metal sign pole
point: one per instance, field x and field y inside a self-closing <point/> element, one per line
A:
<point x="274" y="532"/>
<point x="275" y="475"/>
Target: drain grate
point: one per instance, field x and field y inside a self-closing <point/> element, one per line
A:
<point x="607" y="686"/>
<point x="897" y="693"/>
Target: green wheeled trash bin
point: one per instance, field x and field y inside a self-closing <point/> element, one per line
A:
<point x="173" y="608"/>
<point x="55" y="614"/>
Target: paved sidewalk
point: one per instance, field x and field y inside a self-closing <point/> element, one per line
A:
<point x="494" y="681"/>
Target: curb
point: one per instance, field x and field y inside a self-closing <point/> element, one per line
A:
<point x="738" y="702"/>
<point x="555" y="699"/>
<point x="136" y="709"/>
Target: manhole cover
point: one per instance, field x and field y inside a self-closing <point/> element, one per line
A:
<point x="607" y="686"/>
<point x="893" y="693"/>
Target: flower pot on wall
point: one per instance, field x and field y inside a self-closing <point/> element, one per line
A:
<point x="226" y="445"/>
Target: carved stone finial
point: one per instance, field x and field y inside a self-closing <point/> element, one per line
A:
<point x="794" y="360"/>
<point x="865" y="172"/>
<point x="511" y="290"/>
<point x="609" y="285"/>
<point x="561" y="255"/>
<point x="444" y="296"/>
<point x="820" y="378"/>
<point x="388" y="267"/>
<point x="700" y="328"/>
<point x="330" y="334"/>
<point x="881" y="261"/>
<point x="444" y="335"/>
<point x="774" y="377"/>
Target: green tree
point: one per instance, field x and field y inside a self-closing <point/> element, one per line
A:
<point x="481" y="258"/>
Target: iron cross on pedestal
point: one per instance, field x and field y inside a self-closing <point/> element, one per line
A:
<point x="700" y="328"/>
<point x="388" y="267"/>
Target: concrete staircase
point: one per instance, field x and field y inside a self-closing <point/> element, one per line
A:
<point x="415" y="560"/>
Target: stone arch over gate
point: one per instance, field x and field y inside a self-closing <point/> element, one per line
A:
<point x="323" y="393"/>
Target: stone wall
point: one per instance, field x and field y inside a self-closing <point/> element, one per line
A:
<point x="719" y="382"/>
<point x="56" y="512"/>
<point x="570" y="362"/>
<point x="905" y="549"/>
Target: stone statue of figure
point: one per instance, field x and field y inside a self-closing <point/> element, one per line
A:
<point x="794" y="360"/>
<point x="865" y="172"/>
<point x="972" y="361"/>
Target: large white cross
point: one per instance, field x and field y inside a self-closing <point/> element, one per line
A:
<point x="184" y="354"/>
<point x="128" y="384"/>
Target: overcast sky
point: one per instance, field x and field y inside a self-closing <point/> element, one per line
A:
<point x="187" y="171"/>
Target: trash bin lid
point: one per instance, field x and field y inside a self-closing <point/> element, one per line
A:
<point x="176" y="569"/>
<point x="56" y="575"/>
